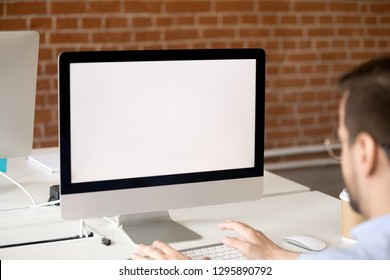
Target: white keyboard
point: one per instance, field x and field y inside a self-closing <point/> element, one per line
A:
<point x="217" y="251"/>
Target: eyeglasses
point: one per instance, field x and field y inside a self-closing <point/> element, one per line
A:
<point x="333" y="146"/>
<point x="387" y="149"/>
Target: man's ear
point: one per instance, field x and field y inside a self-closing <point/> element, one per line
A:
<point x="367" y="152"/>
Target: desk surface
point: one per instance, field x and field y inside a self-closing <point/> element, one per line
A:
<point x="37" y="181"/>
<point x="307" y="212"/>
<point x="286" y="208"/>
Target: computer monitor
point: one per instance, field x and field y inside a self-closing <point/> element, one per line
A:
<point x="18" y="78"/>
<point x="143" y="132"/>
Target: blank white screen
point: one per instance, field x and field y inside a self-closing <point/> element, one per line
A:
<point x="138" y="119"/>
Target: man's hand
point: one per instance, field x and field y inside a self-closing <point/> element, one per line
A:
<point x="157" y="251"/>
<point x="253" y="243"/>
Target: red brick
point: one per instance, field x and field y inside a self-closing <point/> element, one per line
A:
<point x="219" y="45"/>
<point x="250" y="19"/>
<point x="362" y="55"/>
<point x="308" y="19"/>
<point x="45" y="54"/>
<point x="318" y="131"/>
<point x="344" y="6"/>
<point x="385" y="31"/>
<point x="289" y="20"/>
<point x="328" y="19"/>
<point x="289" y="44"/>
<point x="309" y="6"/>
<point x="68" y="7"/>
<point x="284" y="134"/>
<point x="234" y="6"/>
<point x="322" y="68"/>
<point x="147" y="36"/>
<point x="218" y="33"/>
<point x="12" y="24"/>
<point x="41" y="23"/>
<point x="181" y="34"/>
<point x="274" y="6"/>
<point x="279" y="109"/>
<point x="384" y="20"/>
<point x="185" y="20"/>
<point x="350" y="32"/>
<point x="102" y="7"/>
<point x="305" y="44"/>
<point x="372" y="20"/>
<point x="226" y="20"/>
<point x="321" y="32"/>
<point x="286" y="32"/>
<point x="380" y="7"/>
<point x="334" y="55"/>
<point x="26" y="8"/>
<point x="142" y="6"/>
<point x="246" y="32"/>
<point x="213" y="20"/>
<point x="164" y="21"/>
<point x="290" y="83"/>
<point x="269" y="20"/>
<point x="306" y="69"/>
<point x="290" y="97"/>
<point x="43" y="116"/>
<point x="338" y="44"/>
<point x="114" y="22"/>
<point x="187" y="6"/>
<point x="67" y="23"/>
<point x="142" y="21"/>
<point x="318" y="81"/>
<point x="303" y="57"/>
<point x="288" y="122"/>
<point x="68" y="37"/>
<point x="304" y="121"/>
<point x="383" y="44"/>
<point x="91" y="22"/>
<point x="354" y="44"/>
<point x="349" y="19"/>
<point x="111" y="37"/>
<point x="51" y="132"/>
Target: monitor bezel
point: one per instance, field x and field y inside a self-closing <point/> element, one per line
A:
<point x="67" y="58"/>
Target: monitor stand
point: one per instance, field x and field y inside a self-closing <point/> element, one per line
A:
<point x="145" y="228"/>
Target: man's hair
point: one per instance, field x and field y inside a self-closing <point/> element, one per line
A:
<point x="367" y="106"/>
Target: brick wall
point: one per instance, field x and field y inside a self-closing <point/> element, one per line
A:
<point x="309" y="43"/>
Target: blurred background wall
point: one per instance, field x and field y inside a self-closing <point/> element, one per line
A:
<point x="309" y="44"/>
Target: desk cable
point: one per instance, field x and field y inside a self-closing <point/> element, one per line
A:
<point x="35" y="204"/>
<point x="21" y="187"/>
<point x="105" y="240"/>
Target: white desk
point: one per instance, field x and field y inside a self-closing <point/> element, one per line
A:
<point x="287" y="208"/>
<point x="307" y="212"/>
<point x="37" y="181"/>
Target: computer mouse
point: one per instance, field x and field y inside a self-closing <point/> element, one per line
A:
<point x="306" y="241"/>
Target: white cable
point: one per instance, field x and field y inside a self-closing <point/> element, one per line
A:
<point x="115" y="223"/>
<point x="28" y="194"/>
<point x="20" y="186"/>
<point x="48" y="203"/>
<point x="106" y="240"/>
<point x="81" y="230"/>
<point x="94" y="230"/>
